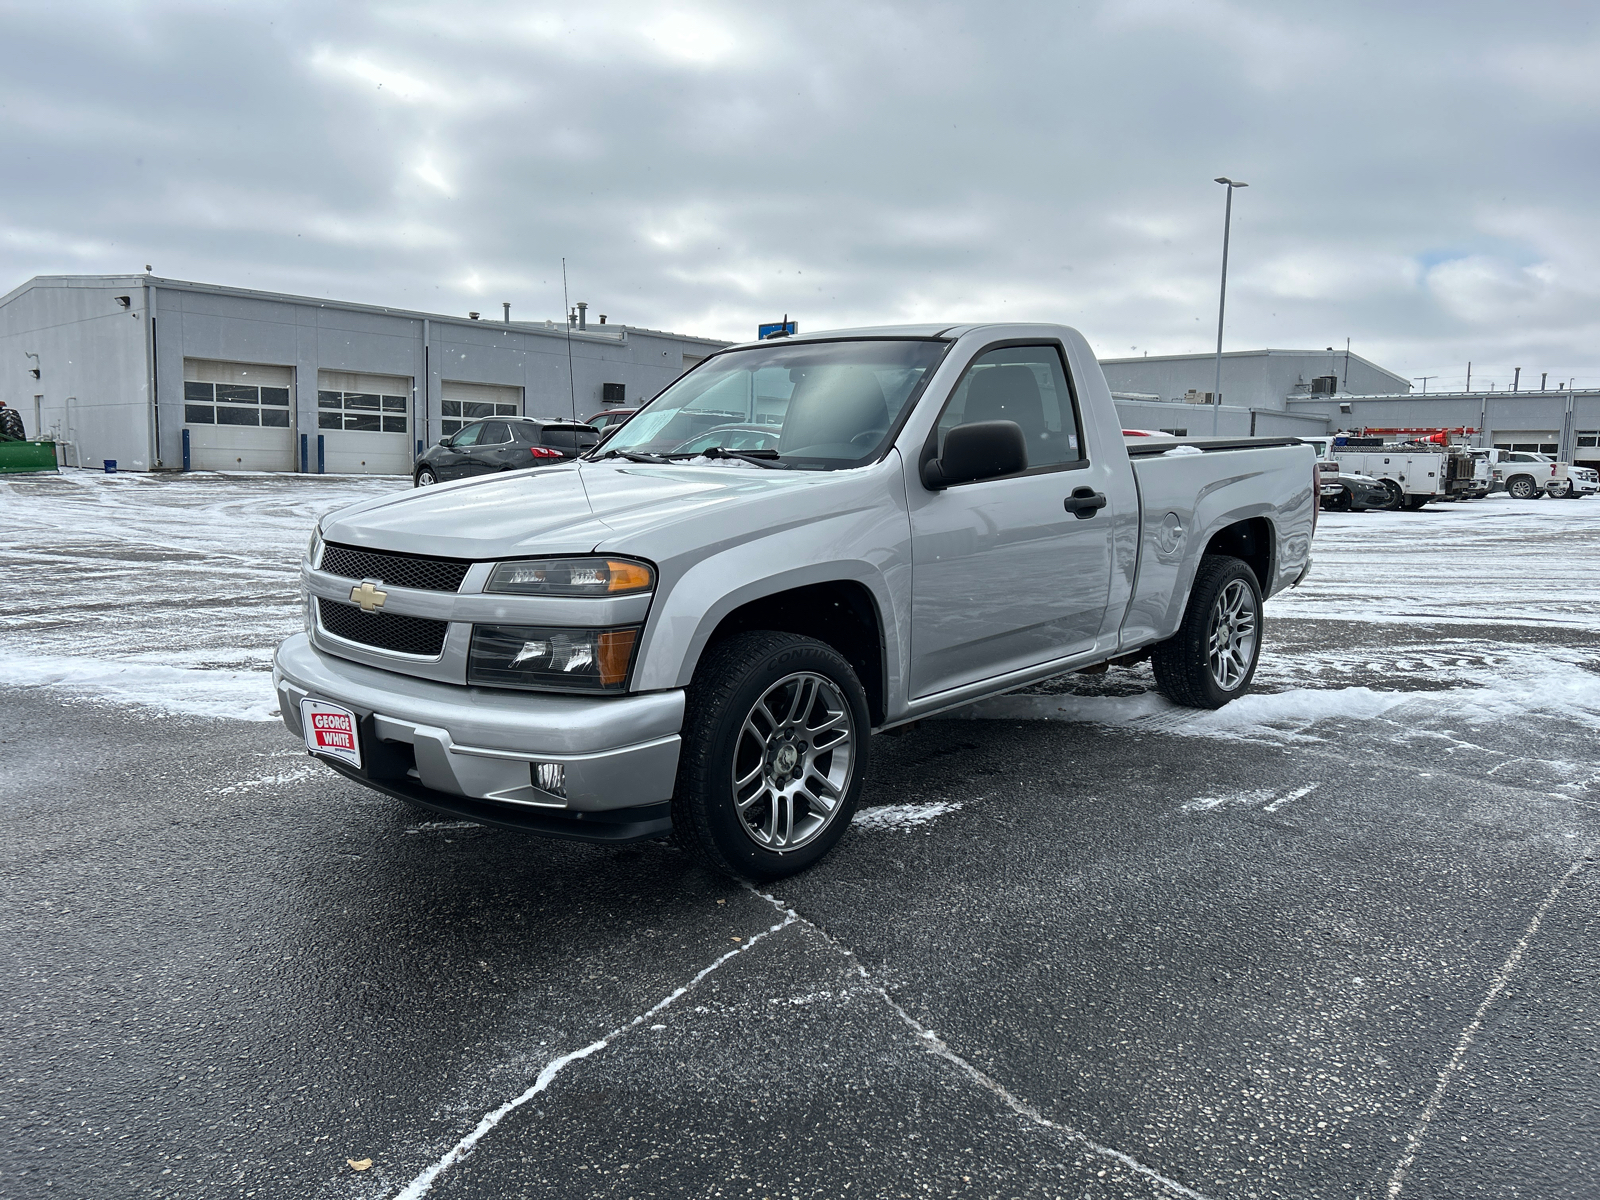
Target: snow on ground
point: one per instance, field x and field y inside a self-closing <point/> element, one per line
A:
<point x="1498" y="560"/>
<point x="171" y="592"/>
<point x="903" y="816"/>
<point x="164" y="591"/>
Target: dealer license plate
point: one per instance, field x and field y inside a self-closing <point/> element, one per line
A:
<point x="331" y="730"/>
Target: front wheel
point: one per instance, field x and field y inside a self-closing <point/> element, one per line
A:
<point x="1394" y="497"/>
<point x="774" y="752"/>
<point x="426" y="477"/>
<point x="1213" y="656"/>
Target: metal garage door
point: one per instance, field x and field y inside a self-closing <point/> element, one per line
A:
<point x="365" y="423"/>
<point x="463" y="402"/>
<point x="1536" y="441"/>
<point x="239" y="416"/>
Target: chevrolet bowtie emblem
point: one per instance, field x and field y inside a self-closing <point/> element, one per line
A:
<point x="367" y="596"/>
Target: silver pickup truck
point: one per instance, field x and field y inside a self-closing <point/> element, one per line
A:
<point x="697" y="627"/>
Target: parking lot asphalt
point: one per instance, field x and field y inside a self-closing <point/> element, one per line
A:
<point x="1338" y="939"/>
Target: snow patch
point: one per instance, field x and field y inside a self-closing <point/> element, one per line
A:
<point x="278" y="780"/>
<point x="903" y="816"/>
<point x="1553" y="682"/>
<point x="1228" y="800"/>
<point x="235" y="695"/>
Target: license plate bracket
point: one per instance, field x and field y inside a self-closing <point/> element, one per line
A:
<point x="332" y="730"/>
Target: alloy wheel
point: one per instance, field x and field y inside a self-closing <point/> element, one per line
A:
<point x="1231" y="639"/>
<point x="793" y="760"/>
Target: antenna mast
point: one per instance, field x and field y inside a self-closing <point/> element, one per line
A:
<point x="566" y="317"/>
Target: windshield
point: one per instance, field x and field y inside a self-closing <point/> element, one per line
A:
<point x="821" y="405"/>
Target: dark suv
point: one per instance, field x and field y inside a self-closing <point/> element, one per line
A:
<point x="501" y="444"/>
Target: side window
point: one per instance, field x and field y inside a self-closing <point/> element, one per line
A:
<point x="494" y="433"/>
<point x="1025" y="384"/>
<point x="467" y="437"/>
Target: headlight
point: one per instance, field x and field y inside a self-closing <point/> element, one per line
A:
<point x="314" y="548"/>
<point x="570" y="660"/>
<point x="572" y="577"/>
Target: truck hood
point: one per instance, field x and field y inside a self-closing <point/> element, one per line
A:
<point x="567" y="509"/>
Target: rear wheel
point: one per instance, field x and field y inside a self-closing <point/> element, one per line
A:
<point x="1213" y="656"/>
<point x="1522" y="487"/>
<point x="774" y="751"/>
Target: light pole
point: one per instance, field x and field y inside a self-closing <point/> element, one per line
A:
<point x="1222" y="297"/>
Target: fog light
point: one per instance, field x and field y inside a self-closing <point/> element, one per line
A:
<point x="550" y="777"/>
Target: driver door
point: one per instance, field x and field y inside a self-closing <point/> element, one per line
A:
<point x="1004" y="576"/>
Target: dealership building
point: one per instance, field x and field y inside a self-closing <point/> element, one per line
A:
<point x="1310" y="392"/>
<point x="167" y="374"/>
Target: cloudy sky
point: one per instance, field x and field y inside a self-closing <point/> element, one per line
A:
<point x="1423" y="176"/>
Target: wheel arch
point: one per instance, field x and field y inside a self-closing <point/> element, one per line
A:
<point x="843" y="613"/>
<point x="1250" y="540"/>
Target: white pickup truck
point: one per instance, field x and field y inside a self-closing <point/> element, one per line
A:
<point x="1526" y="476"/>
<point x="702" y="642"/>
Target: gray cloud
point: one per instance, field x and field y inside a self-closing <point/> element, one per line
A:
<point x="1420" y="174"/>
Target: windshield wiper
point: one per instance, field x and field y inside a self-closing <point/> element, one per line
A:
<point x="760" y="458"/>
<point x="632" y="457"/>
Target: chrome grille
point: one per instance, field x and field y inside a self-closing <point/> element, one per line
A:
<point x="421" y="636"/>
<point x="399" y="570"/>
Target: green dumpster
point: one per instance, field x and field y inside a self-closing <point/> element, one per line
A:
<point x="17" y="457"/>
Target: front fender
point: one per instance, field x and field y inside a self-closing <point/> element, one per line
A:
<point x="868" y="543"/>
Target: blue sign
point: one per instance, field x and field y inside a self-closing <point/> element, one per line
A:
<point x="786" y="327"/>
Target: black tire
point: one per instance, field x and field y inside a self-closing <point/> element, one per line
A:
<point x="424" y="477"/>
<point x="733" y="675"/>
<point x="11" y="424"/>
<point x="1396" y="496"/>
<point x="1338" y="503"/>
<point x="1183" y="663"/>
<point x="1523" y="487"/>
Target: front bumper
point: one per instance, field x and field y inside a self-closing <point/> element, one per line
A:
<point x="471" y="751"/>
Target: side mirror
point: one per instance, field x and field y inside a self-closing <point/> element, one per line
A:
<point x="982" y="450"/>
<point x="444" y="441"/>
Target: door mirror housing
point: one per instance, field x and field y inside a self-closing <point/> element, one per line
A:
<point x="444" y="441"/>
<point x="982" y="450"/>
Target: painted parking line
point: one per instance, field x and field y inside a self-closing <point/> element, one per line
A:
<point x="929" y="1040"/>
<point x="1452" y="1068"/>
<point x="419" y="1186"/>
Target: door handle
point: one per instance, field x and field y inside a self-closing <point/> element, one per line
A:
<point x="1084" y="502"/>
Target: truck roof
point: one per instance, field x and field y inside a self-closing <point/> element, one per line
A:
<point x="904" y="331"/>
